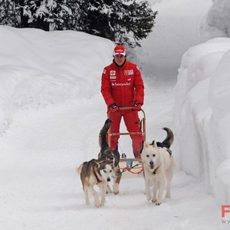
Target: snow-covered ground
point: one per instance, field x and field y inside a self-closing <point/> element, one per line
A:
<point x="50" y="114"/>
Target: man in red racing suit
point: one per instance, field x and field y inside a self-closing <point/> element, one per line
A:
<point x="122" y="86"/>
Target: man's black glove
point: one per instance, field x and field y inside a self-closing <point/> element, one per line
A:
<point x="137" y="107"/>
<point x="113" y="108"/>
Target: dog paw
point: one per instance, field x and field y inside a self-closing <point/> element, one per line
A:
<point x="154" y="200"/>
<point x="116" y="188"/>
<point x="102" y="204"/>
<point x="157" y="203"/>
<point x="97" y="203"/>
<point x="168" y="195"/>
<point x="115" y="192"/>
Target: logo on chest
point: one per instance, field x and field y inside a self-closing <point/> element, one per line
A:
<point x="121" y="84"/>
<point x="112" y="75"/>
<point x="128" y="72"/>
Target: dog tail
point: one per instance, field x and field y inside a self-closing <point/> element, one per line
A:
<point x="167" y="142"/>
<point x="78" y="169"/>
<point x="102" y="135"/>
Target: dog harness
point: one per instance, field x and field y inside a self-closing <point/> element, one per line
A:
<point x="97" y="173"/>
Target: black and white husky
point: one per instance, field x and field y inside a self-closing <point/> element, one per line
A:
<point x="158" y="164"/>
<point x="98" y="171"/>
<point x="95" y="173"/>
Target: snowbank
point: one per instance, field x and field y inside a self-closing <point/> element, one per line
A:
<point x="32" y="59"/>
<point x="202" y="115"/>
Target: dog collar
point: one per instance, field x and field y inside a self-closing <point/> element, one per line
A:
<point x="155" y="170"/>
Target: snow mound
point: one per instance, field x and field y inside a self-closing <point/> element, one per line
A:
<point x="202" y="114"/>
<point x="43" y="68"/>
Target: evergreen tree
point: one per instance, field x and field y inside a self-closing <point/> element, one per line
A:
<point x="122" y="21"/>
<point x="48" y="14"/>
<point x="138" y="23"/>
<point x="44" y="14"/>
<point x="9" y="13"/>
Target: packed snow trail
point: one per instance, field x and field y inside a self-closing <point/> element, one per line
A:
<point x="40" y="190"/>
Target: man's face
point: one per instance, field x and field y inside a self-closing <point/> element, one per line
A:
<point x="119" y="59"/>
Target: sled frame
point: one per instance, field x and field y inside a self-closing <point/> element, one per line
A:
<point x="132" y="165"/>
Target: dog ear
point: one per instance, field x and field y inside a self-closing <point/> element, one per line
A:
<point x="154" y="144"/>
<point x="101" y="165"/>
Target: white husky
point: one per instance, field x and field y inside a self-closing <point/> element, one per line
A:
<point x="158" y="166"/>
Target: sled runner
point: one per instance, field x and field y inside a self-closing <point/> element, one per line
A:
<point x="131" y="165"/>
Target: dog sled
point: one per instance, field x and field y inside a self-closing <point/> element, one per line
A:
<point x="130" y="165"/>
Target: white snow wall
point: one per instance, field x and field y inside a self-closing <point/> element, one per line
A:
<point x="202" y="115"/>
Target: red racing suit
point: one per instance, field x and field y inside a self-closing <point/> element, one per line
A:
<point x="124" y="86"/>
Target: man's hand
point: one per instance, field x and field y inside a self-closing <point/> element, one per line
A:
<point x="113" y="108"/>
<point x="137" y="107"/>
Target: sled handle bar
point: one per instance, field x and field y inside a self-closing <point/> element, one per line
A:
<point x="142" y="126"/>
